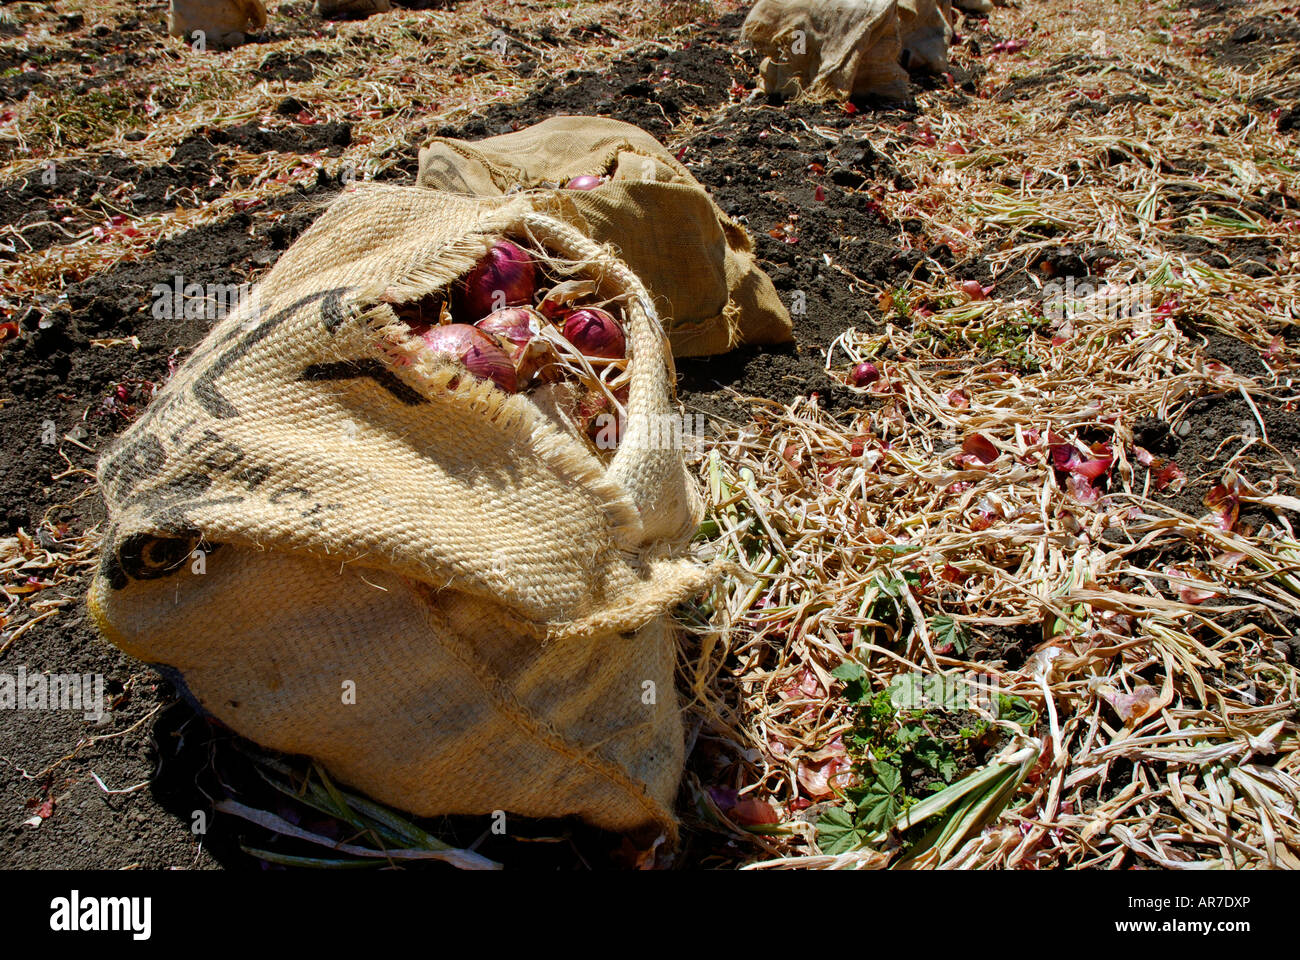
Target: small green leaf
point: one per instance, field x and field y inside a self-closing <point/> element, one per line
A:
<point x="880" y="800"/>
<point x="849" y="670"/>
<point x="949" y="633"/>
<point x="838" y="832"/>
<point x="947" y="768"/>
<point x="1018" y="711"/>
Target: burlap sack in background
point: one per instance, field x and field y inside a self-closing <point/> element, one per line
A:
<point x="696" y="262"/>
<point x="828" y="48"/>
<point x="314" y="505"/>
<point x="925" y="29"/>
<point x="349" y="8"/>
<point x="224" y="22"/>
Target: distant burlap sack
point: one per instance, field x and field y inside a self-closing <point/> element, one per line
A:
<point x="347" y="548"/>
<point x="222" y="21"/>
<point x="828" y="48"/>
<point x="697" y="263"/>
<point x="926" y="30"/>
<point x="349" y="8"/>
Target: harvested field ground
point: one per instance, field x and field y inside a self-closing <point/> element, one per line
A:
<point x="1073" y="479"/>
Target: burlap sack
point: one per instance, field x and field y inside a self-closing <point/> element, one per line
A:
<point x="313" y="506"/>
<point x="697" y="263"/>
<point x="925" y="30"/>
<point x="222" y="21"/>
<point x="828" y="48"/>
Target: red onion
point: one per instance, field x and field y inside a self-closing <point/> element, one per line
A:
<point x="553" y="310"/>
<point x="1225" y="504"/>
<point x="482" y="353"/>
<point x="595" y="333"/>
<point x="976" y="290"/>
<point x="864" y="374"/>
<point x="584" y="183"/>
<point x="505" y="277"/>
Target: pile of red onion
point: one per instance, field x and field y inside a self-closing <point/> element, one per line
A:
<point x="507" y="321"/>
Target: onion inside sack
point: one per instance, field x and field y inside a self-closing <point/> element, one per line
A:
<point x="595" y="333"/>
<point x="505" y="277"/>
<point x="483" y="354"/>
<point x="584" y="183"/>
<point x="550" y="332"/>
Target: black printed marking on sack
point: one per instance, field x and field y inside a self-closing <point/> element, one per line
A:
<point x="205" y="390"/>
<point x="224" y="458"/>
<point x="166" y="506"/>
<point x="302" y="493"/>
<point x="367" y="368"/>
<point x="444" y="173"/>
<point x="136" y="459"/>
<point x="133" y="462"/>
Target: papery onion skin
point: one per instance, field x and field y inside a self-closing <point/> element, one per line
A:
<point x="519" y="329"/>
<point x="505" y="270"/>
<point x="518" y="325"/>
<point x="584" y="183"/>
<point x="981" y="448"/>
<point x="595" y="333"/>
<point x="483" y="355"/>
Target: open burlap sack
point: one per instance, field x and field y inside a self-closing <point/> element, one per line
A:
<point x="697" y="263"/>
<point x="828" y="48"/>
<point x="314" y="505"/>
<point x="224" y="22"/>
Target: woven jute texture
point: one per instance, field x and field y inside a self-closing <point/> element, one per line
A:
<point x="697" y="263"/>
<point x="216" y="18"/>
<point x="925" y="29"/>
<point x="828" y="48"/>
<point x="315" y="510"/>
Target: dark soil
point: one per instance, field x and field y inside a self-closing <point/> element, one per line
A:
<point x="108" y="185"/>
<point x="52" y="372"/>
<point x="1010" y="645"/>
<point x="761" y="166"/>
<point x="294" y="66"/>
<point x="655" y="91"/>
<point x="102" y="55"/>
<point x="1250" y="41"/>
